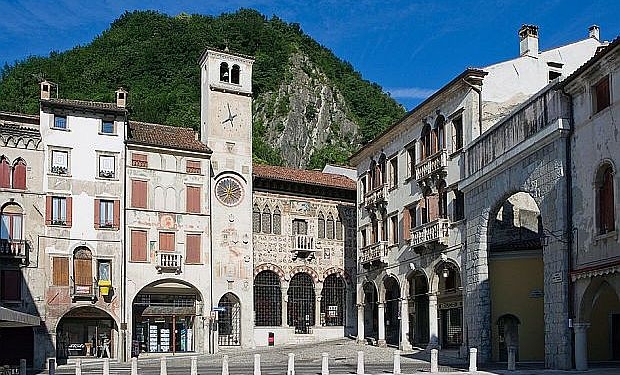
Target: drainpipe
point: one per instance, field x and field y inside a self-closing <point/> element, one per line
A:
<point x="124" y="268"/>
<point x="479" y="92"/>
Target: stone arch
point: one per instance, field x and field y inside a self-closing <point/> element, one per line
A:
<point x="590" y="295"/>
<point x="332" y="270"/>
<point x="437" y="267"/>
<point x="385" y="279"/>
<point x="304" y="269"/>
<point x="270" y="267"/>
<point x="229" y="320"/>
<point x="71" y="328"/>
<point x="235" y="73"/>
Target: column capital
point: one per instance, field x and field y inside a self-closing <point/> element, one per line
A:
<point x="581" y="326"/>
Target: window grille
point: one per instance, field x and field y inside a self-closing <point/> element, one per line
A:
<point x="321" y="228"/>
<point x="267" y="299"/>
<point x="229" y="321"/>
<point x="333" y="301"/>
<point x="256" y="219"/>
<point x="301" y="302"/>
<point x="329" y="227"/>
<point x="266" y="221"/>
<point x="277" y="221"/>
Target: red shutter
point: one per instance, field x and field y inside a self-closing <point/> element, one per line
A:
<point x="116" y="221"/>
<point x="138" y="194"/>
<point x="138" y="246"/>
<point x="192" y="248"/>
<point x="19" y="175"/>
<point x="97" y="217"/>
<point x="166" y="241"/>
<point x="406" y="224"/>
<point x="193" y="199"/>
<point x="5" y="174"/>
<point x="69" y="211"/>
<point x="48" y="210"/>
<point x="433" y="207"/>
<point x="11" y="285"/>
<point x="60" y="271"/>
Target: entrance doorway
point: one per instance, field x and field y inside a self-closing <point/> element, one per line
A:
<point x="229" y="321"/>
<point x="86" y="331"/>
<point x="418" y="310"/>
<point x="392" y="311"/>
<point x="371" y="311"/>
<point x="450" y="305"/>
<point x="301" y="303"/>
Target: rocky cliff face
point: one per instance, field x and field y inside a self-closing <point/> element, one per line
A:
<point x="305" y="114"/>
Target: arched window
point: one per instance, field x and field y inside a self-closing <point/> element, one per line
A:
<point x="381" y="171"/>
<point x="277" y="221"/>
<point x="373" y="174"/>
<point x="82" y="271"/>
<point x="256" y="219"/>
<point x="329" y="227"/>
<point x="333" y="300"/>
<point x="266" y="220"/>
<point x="605" y="199"/>
<point x="224" y="74"/>
<point x="338" y="228"/>
<point x="301" y="302"/>
<point x="19" y="174"/>
<point x="440" y="130"/>
<point x="5" y="173"/>
<point x="425" y="139"/>
<point x="321" y="225"/>
<point x="11" y="230"/>
<point x="234" y="76"/>
<point x="267" y="299"/>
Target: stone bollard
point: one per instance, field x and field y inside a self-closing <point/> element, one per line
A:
<point x="291" y="364"/>
<point x="396" y="362"/>
<point x="225" y="364"/>
<point x="512" y="351"/>
<point x="434" y="355"/>
<point x="360" y="363"/>
<point x="194" y="369"/>
<point x="78" y="366"/>
<point x="473" y="354"/>
<point x="51" y="365"/>
<point x="106" y="366"/>
<point x="163" y="366"/>
<point x="256" y="364"/>
<point x="22" y="366"/>
<point x="324" y="364"/>
<point x="134" y="366"/>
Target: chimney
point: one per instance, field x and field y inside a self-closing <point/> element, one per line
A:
<point x="528" y="41"/>
<point x="594" y="32"/>
<point x="46" y="88"/>
<point x="121" y="97"/>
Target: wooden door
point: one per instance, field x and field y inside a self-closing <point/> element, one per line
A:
<point x="83" y="271"/>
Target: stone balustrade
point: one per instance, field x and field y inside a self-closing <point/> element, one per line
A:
<point x="168" y="262"/>
<point x="434" y="231"/>
<point x="376" y="252"/>
<point x="431" y="165"/>
<point x="376" y="195"/>
<point x="13" y="249"/>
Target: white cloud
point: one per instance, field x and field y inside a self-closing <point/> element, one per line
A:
<point x="411" y="92"/>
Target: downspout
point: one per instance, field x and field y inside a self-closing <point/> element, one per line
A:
<point x="211" y="322"/>
<point x="124" y="269"/>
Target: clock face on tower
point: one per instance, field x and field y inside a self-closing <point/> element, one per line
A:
<point x="229" y="191"/>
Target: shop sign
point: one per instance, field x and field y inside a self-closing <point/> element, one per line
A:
<point x="332" y="311"/>
<point x="450" y="305"/>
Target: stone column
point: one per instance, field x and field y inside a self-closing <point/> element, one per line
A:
<point x="433" y="323"/>
<point x="317" y="309"/>
<point x="581" y="346"/>
<point x="284" y="290"/>
<point x="405" y="344"/>
<point x="381" y="312"/>
<point x="361" y="339"/>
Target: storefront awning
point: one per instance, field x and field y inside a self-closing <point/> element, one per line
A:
<point x="169" y="310"/>
<point x="12" y="318"/>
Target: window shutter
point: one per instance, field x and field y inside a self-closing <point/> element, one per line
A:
<point x="97" y="217"/>
<point x="19" y="175"/>
<point x="166" y="241"/>
<point x="11" y="285"/>
<point x="5" y="174"/>
<point x="406" y="224"/>
<point x="433" y="207"/>
<point x="116" y="221"/>
<point x="138" y="194"/>
<point x="69" y="211"/>
<point x="138" y="246"/>
<point x="192" y="248"/>
<point x="83" y="272"/>
<point x="48" y="210"/>
<point x="193" y="199"/>
<point x="60" y="269"/>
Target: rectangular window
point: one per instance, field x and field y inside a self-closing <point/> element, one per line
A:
<point x="459" y="205"/>
<point x="60" y="271"/>
<point x="363" y="240"/>
<point x="107" y="166"/>
<point x="166" y="241"/>
<point x="192" y="248"/>
<point x="59" y="211"/>
<point x="411" y="161"/>
<point x="60" y="162"/>
<point x="193" y="199"/>
<point x="106" y="213"/>
<point x="11" y="285"/>
<point x="600" y="95"/>
<point x="138" y="193"/>
<point x="139" y="160"/>
<point x="107" y="127"/>
<point x="384" y="230"/>
<point x="60" y="122"/>
<point x="394" y="229"/>
<point x="192" y="167"/>
<point x="457" y="135"/>
<point x="393" y="172"/>
<point x="300" y="226"/>
<point x="138" y="246"/>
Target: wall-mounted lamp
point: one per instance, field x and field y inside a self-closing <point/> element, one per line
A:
<point x="445" y="273"/>
<point x="412" y="266"/>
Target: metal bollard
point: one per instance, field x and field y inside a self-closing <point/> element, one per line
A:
<point x="396" y="362"/>
<point x="473" y="360"/>
<point x="256" y="364"/>
<point x="360" y="363"/>
<point x="324" y="364"/>
<point x="51" y="363"/>
<point x="225" y="364"/>
<point x="106" y="366"/>
<point x="22" y="366"/>
<point x="434" y="355"/>
<point x="134" y="366"/>
<point x="78" y="366"/>
<point x="512" y="351"/>
<point x="194" y="369"/>
<point x="291" y="364"/>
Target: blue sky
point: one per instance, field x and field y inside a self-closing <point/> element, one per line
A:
<point x="410" y="48"/>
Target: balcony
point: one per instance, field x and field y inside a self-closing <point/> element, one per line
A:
<point x="84" y="292"/>
<point x="303" y="246"/>
<point x="14" y="249"/>
<point x="431" y="168"/>
<point x="168" y="262"/>
<point x="435" y="231"/>
<point x="376" y="198"/>
<point x="374" y="254"/>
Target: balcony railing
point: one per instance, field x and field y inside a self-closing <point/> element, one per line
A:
<point x="14" y="249"/>
<point x="433" y="164"/>
<point x="435" y="231"/>
<point x="375" y="253"/>
<point x="87" y="291"/>
<point x="168" y="262"/>
<point x="303" y="246"/>
<point x="376" y="195"/>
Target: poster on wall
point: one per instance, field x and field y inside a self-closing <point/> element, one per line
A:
<point x="164" y="339"/>
<point x="153" y="339"/>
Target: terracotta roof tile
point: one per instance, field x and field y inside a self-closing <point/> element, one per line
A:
<point x="165" y="136"/>
<point x="303" y="176"/>
<point x="84" y="104"/>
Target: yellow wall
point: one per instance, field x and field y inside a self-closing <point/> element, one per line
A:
<point x="511" y="281"/>
<point x="599" y="342"/>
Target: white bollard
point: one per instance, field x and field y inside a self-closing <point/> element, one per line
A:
<point x="396" y="362"/>
<point x="360" y="363"/>
<point x="256" y="364"/>
<point x="78" y="367"/>
<point x="106" y="366"/>
<point x="473" y="364"/>
<point x="225" y="364"/>
<point x="22" y="366"/>
<point x="434" y="355"/>
<point x="324" y="364"/>
<point x="163" y="367"/>
<point x="194" y="369"/>
<point x="134" y="366"/>
<point x="512" y="351"/>
<point x="291" y="364"/>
